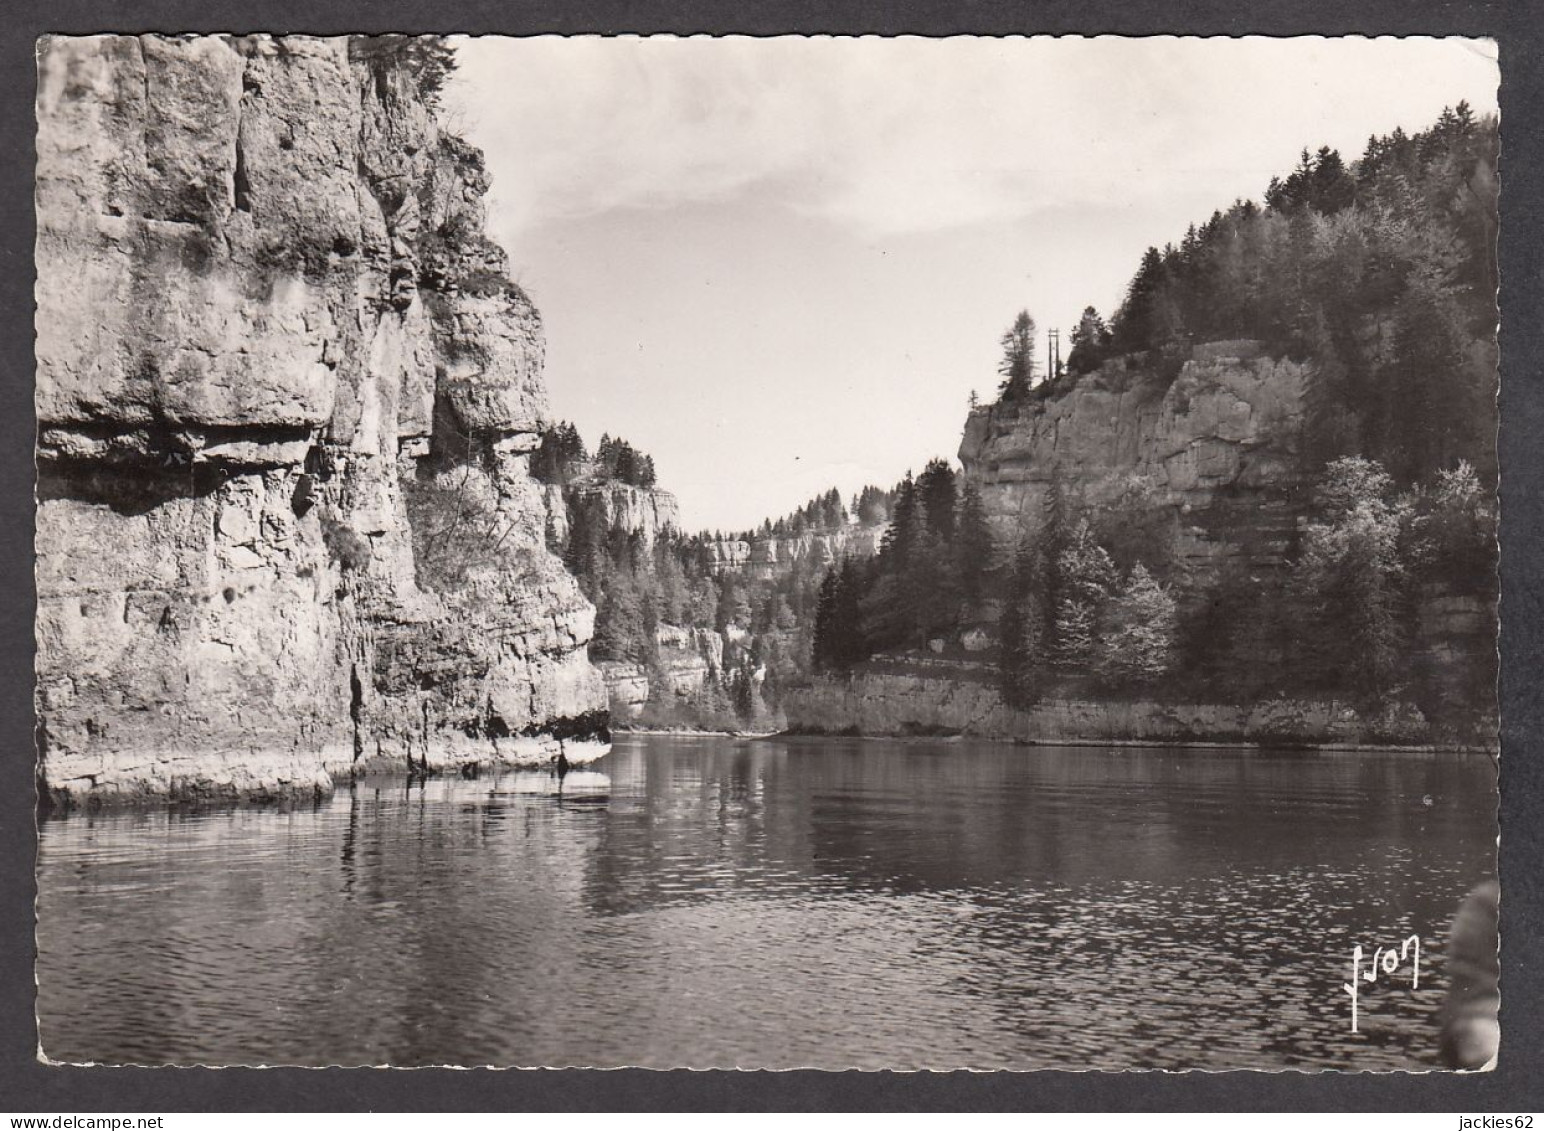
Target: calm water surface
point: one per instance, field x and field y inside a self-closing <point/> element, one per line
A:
<point x="807" y="902"/>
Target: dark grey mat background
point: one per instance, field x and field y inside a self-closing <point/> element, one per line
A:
<point x="1517" y="1085"/>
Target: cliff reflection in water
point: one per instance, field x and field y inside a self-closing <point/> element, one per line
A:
<point x="788" y="902"/>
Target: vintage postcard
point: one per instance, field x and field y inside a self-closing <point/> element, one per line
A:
<point x="801" y="552"/>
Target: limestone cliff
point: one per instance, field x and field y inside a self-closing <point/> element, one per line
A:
<point x="285" y="393"/>
<point x="1218" y="449"/>
<point x="767" y="556"/>
<point x="645" y="511"/>
<point x="1212" y="463"/>
<point x="690" y="660"/>
<point x="1202" y="467"/>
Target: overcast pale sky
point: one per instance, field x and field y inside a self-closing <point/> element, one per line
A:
<point x="779" y="265"/>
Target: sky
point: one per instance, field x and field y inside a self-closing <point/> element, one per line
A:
<point x="781" y="265"/>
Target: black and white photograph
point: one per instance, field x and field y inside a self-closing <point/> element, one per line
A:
<point x="801" y="552"/>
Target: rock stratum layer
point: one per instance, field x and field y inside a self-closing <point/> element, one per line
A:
<point x="285" y="396"/>
<point x="645" y="511"/>
<point x="1210" y="464"/>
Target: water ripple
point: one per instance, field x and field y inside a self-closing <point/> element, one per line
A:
<point x="700" y="902"/>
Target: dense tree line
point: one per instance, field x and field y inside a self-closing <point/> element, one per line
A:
<point x="561" y="458"/>
<point x="618" y="461"/>
<point x="1382" y="273"/>
<point x="928" y="577"/>
<point x="1097" y="595"/>
<point x="823" y="514"/>
<point x="765" y="623"/>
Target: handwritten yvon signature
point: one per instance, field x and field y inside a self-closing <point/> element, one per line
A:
<point x="1388" y="961"/>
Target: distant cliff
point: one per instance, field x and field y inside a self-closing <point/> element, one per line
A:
<point x="645" y="511"/>
<point x="767" y="556"/>
<point x="285" y="393"/>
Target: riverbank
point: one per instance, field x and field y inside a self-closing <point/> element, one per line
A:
<point x="694" y="732"/>
<point x="891" y="704"/>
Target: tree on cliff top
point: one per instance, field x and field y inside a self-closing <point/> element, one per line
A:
<point x="618" y="461"/>
<point x="430" y="59"/>
<point x="1018" y="363"/>
<point x="1090" y="342"/>
<point x="560" y="457"/>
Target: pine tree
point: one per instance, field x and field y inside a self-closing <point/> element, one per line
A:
<point x="1056" y="526"/>
<point x="851" y="644"/>
<point x="1091" y="342"/>
<point x="1018" y="363"/>
<point x="1137" y="323"/>
<point x="936" y="488"/>
<point x="825" y="648"/>
<point x="973" y="548"/>
<point x="1349" y="575"/>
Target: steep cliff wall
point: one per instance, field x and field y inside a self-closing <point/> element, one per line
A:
<point x="1199" y="473"/>
<point x="690" y="659"/>
<point x="645" y="511"/>
<point x="1210" y="465"/>
<point x="268" y="324"/>
<point x="1217" y="451"/>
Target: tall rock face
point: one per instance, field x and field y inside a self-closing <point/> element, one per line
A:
<point x="1216" y="453"/>
<point x="285" y="396"/>
<point x="645" y="511"/>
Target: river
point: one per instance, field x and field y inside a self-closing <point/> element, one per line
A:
<point x="834" y="903"/>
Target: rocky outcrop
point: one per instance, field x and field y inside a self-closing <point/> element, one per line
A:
<point x="645" y="511"/>
<point x="1217" y="450"/>
<point x="936" y="697"/>
<point x="769" y="556"/>
<point x="285" y="393"/>
<point x="690" y="659"/>
<point x="1205" y="470"/>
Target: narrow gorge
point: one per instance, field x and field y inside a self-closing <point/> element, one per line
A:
<point x="303" y="513"/>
